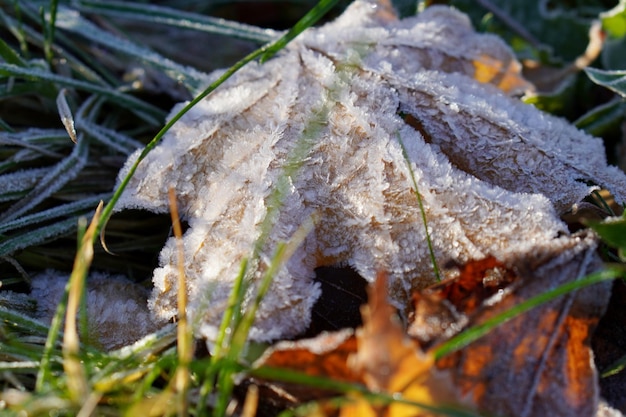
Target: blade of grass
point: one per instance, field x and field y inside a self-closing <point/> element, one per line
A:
<point x="73" y="22"/>
<point x="66" y="114"/>
<point x="378" y="398"/>
<point x="63" y="210"/>
<point x="49" y="29"/>
<point x="76" y="375"/>
<point x="60" y="175"/>
<point x="614" y="368"/>
<point x="160" y="14"/>
<point x="9" y="55"/>
<point x="22" y="322"/>
<point x="15" y="184"/>
<point x="184" y="335"/>
<point x="36" y="237"/>
<point x="320" y="9"/>
<point x="17" y="27"/>
<point x="431" y="251"/>
<point x="74" y="55"/>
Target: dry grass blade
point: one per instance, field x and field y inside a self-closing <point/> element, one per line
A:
<point x="66" y="114"/>
<point x="185" y="336"/>
<point x="76" y="376"/>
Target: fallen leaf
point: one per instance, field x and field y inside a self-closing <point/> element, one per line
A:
<point x="492" y="172"/>
<point x="325" y="355"/>
<point x="381" y="357"/>
<point x="539" y="363"/>
<point x="443" y="309"/>
<point x="394" y="364"/>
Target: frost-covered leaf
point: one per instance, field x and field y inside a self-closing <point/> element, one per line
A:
<point x="116" y="307"/>
<point x="493" y="173"/>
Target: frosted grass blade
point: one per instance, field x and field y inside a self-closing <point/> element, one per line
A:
<point x="173" y="17"/>
<point x="73" y="22"/>
<point x="60" y="175"/>
<point x="13" y="185"/>
<point x="66" y="114"/>
<point x="36" y="237"/>
<point x="79" y="207"/>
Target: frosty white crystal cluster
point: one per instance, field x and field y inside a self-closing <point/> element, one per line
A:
<point x="492" y="172"/>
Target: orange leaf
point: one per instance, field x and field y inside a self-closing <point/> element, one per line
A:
<point x="538" y="363"/>
<point x="393" y="363"/>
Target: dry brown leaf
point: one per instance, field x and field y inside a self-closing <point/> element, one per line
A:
<point x="394" y="364"/>
<point x="381" y="357"/>
<point x="325" y="355"/>
<point x="540" y="363"/>
<point x="443" y="309"/>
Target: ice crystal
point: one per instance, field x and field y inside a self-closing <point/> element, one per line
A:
<point x="493" y="173"/>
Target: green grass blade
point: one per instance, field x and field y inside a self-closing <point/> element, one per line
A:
<point x="614" y="368"/>
<point x="9" y="55"/>
<point x="474" y="333"/>
<point x="429" y="241"/>
<point x="49" y="29"/>
<point x="165" y="15"/>
<point x="378" y="398"/>
<point x="74" y="55"/>
<point x="24" y="323"/>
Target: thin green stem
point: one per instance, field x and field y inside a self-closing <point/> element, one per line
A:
<point x="50" y="27"/>
<point x="431" y="250"/>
